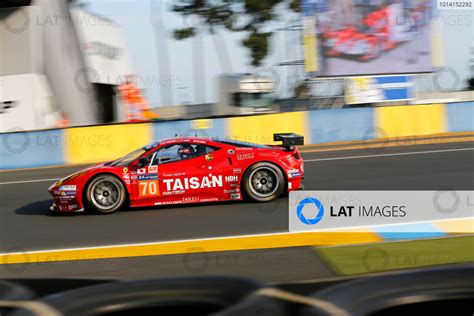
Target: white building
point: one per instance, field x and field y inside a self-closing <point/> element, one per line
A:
<point x="57" y="62"/>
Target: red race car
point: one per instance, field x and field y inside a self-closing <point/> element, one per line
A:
<point x="184" y="170"/>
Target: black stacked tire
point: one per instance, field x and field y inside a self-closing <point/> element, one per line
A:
<point x="172" y="296"/>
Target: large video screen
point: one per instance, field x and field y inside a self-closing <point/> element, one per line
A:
<point x="364" y="37"/>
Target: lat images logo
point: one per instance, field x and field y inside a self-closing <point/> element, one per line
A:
<point x="307" y="202"/>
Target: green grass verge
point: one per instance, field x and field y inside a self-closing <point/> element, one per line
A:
<point x="349" y="260"/>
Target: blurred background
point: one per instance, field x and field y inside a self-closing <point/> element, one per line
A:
<point x="86" y="62"/>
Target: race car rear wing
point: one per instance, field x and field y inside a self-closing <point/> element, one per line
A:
<point x="289" y="139"/>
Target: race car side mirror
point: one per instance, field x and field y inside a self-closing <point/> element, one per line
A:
<point x="143" y="161"/>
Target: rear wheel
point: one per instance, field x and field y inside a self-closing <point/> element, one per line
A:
<point x="105" y="194"/>
<point x="263" y="182"/>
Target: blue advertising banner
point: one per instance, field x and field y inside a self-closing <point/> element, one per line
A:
<point x="378" y="89"/>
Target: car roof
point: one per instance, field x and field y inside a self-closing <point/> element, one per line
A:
<point x="194" y="139"/>
<point x="177" y="139"/>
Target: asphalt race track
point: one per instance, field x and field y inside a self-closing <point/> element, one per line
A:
<point x="25" y="223"/>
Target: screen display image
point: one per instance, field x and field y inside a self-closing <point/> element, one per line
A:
<point x="356" y="37"/>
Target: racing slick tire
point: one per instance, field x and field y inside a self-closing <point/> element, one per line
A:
<point x="105" y="194"/>
<point x="263" y="182"/>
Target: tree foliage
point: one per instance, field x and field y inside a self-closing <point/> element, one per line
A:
<point x="237" y="16"/>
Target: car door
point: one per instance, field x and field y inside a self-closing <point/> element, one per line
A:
<point x="222" y="163"/>
<point x="177" y="176"/>
<point x="194" y="178"/>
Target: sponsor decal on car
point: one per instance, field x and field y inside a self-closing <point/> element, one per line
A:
<point x="146" y="177"/>
<point x="148" y="188"/>
<point x="235" y="196"/>
<point x="209" y="157"/>
<point x="174" y="192"/>
<point x="245" y="156"/>
<point x="148" y="185"/>
<point x="231" y="178"/>
<point x="292" y="173"/>
<point x="193" y="183"/>
<point x="173" y="175"/>
<point x="190" y="199"/>
<point x="237" y="170"/>
<point x="67" y="193"/>
<point x="66" y="199"/>
<point x="270" y="154"/>
<point x="68" y="188"/>
<point x="169" y="202"/>
<point x="232" y="191"/>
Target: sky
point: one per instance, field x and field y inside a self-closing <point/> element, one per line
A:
<point x="145" y="21"/>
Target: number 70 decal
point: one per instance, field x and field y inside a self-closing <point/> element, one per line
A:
<point x="148" y="188"/>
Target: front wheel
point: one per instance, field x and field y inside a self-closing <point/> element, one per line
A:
<point x="263" y="182"/>
<point x="105" y="194"/>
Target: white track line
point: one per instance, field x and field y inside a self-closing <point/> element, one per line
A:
<point x="350" y="229"/>
<point x="390" y="155"/>
<point x="308" y="160"/>
<point x="29" y="181"/>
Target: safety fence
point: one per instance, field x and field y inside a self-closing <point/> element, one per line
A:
<point x="80" y="145"/>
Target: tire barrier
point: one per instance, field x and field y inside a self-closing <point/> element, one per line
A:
<point x="174" y="296"/>
<point x="437" y="291"/>
<point x="12" y="293"/>
<point x="434" y="291"/>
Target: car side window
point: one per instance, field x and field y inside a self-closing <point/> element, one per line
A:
<point x="179" y="152"/>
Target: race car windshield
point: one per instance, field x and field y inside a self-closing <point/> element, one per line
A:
<point x="127" y="159"/>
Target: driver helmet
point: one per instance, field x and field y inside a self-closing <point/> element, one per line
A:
<point x="186" y="151"/>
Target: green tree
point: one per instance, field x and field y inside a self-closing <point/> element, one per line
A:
<point x="237" y="16"/>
